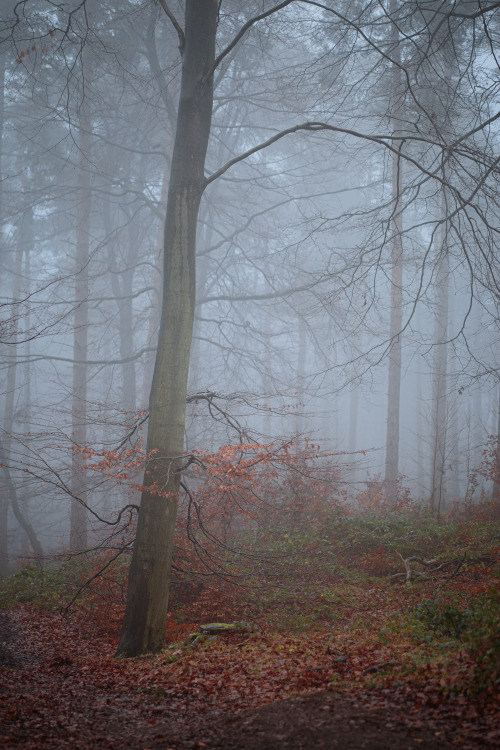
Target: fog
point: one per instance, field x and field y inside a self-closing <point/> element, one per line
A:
<point x="362" y="237"/>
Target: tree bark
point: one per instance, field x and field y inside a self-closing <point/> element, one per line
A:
<point x="2" y="118"/>
<point x="154" y="315"/>
<point x="150" y="570"/>
<point x="4" y="501"/>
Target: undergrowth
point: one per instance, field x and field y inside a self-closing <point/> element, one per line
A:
<point x="330" y="575"/>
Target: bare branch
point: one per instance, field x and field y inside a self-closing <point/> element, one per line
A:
<point x="175" y="24"/>
<point x="242" y="33"/>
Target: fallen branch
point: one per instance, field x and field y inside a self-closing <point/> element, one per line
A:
<point x="412" y="573"/>
<point x="379" y="667"/>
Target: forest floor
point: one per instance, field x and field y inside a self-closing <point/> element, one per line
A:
<point x="330" y="658"/>
<point x="60" y="687"/>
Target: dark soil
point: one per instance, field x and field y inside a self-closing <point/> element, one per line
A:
<point x="322" y="720"/>
<point x="49" y="707"/>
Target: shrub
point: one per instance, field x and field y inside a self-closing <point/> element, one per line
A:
<point x="483" y="640"/>
<point x="47" y="587"/>
<point x="477" y="628"/>
<point x="441" y="618"/>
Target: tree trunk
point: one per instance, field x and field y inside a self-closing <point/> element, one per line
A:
<point x="19" y="515"/>
<point x="150" y="570"/>
<point x="454" y="455"/>
<point x="421" y="484"/>
<point x="78" y="538"/>
<point x="2" y="116"/>
<point x="154" y="314"/>
<point x="24" y="242"/>
<point x="396" y="314"/>
<point x="441" y="314"/>
<point x="122" y="281"/>
<point x="496" y="481"/>
<point x="4" y="502"/>
<point x="440" y="417"/>
<point x="353" y="417"/>
<point x="10" y="393"/>
<point x="301" y="371"/>
<point x="126" y="325"/>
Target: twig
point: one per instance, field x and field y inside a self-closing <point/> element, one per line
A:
<point x="96" y="575"/>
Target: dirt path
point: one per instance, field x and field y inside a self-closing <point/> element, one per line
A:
<point x="58" y="703"/>
<point x="323" y="720"/>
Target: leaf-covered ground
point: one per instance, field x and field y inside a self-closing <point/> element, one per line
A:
<point x="337" y="653"/>
<point x="61" y="687"/>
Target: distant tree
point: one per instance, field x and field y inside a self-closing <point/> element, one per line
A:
<point x="396" y="306"/>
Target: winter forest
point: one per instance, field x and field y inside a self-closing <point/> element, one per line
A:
<point x="249" y="301"/>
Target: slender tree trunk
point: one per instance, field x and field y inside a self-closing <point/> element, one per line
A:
<point x="453" y="450"/>
<point x="496" y="482"/>
<point x="478" y="430"/>
<point x="440" y="366"/>
<point x="396" y="314"/>
<point x="150" y="570"/>
<point x="353" y="430"/>
<point x="419" y="421"/>
<point x="126" y="324"/>
<point x="24" y="239"/>
<point x="441" y="314"/>
<point x="8" y="417"/>
<point x="78" y="540"/>
<point x="301" y="370"/>
<point x="267" y="386"/>
<point x="122" y="280"/>
<point x="27" y="372"/>
<point x="353" y="418"/>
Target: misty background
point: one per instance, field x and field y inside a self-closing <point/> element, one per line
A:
<point x="347" y="279"/>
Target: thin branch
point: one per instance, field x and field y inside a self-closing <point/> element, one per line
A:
<point x="96" y="575"/>
<point x="175" y="24"/>
<point x="242" y="33"/>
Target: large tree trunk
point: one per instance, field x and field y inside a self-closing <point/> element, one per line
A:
<point x="150" y="570"/>
<point x="396" y="314"/>
<point x="4" y="501"/>
<point x="2" y="117"/>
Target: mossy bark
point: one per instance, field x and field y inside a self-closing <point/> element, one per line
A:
<point x="150" y="571"/>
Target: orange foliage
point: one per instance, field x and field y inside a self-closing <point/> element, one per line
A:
<point x="374" y="497"/>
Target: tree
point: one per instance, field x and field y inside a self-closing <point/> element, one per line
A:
<point x="79" y="537"/>
<point x="396" y="308"/>
<point x="151" y="566"/>
<point x="150" y="569"/>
